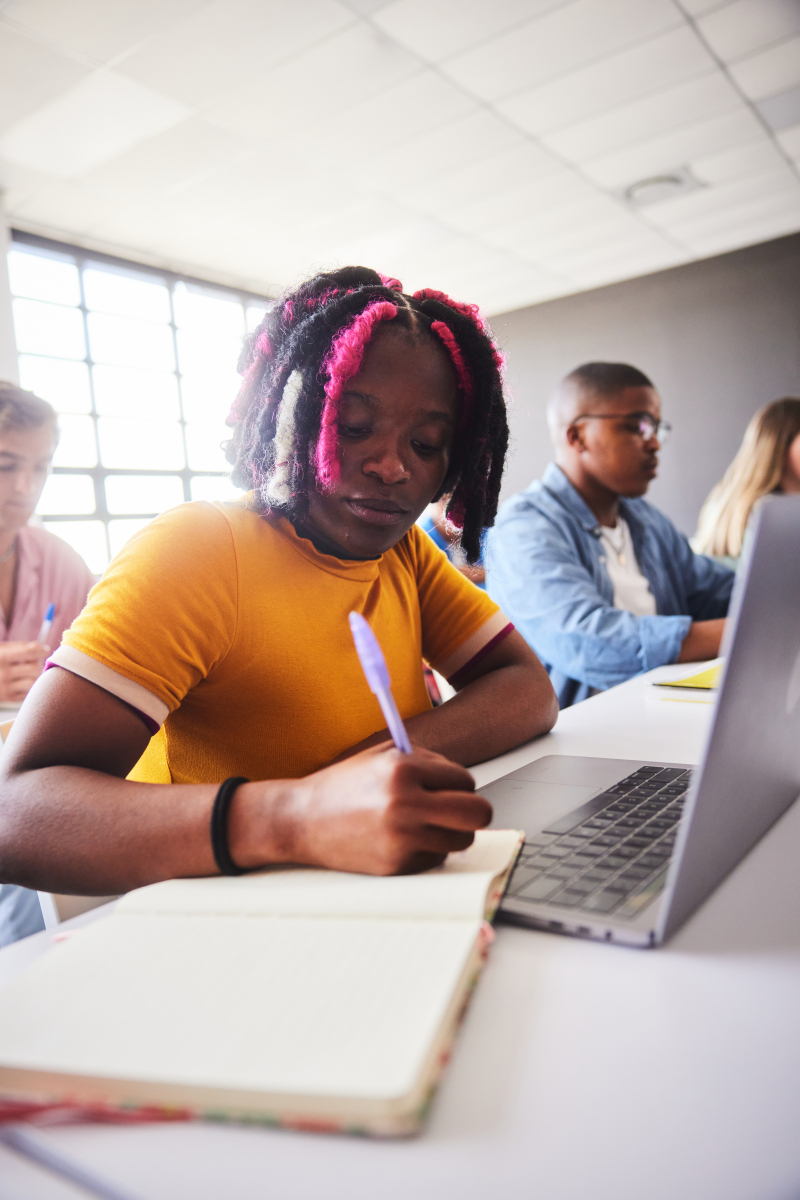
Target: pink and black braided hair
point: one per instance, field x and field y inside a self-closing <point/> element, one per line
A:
<point x="310" y="343"/>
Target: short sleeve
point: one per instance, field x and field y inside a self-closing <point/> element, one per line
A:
<point x="459" y="621"/>
<point x="163" y="615"/>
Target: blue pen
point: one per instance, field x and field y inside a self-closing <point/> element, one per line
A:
<point x="47" y="625"/>
<point x="373" y="664"/>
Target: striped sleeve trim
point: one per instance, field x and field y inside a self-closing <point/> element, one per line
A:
<point x="478" y="644"/>
<point x="153" y="711"/>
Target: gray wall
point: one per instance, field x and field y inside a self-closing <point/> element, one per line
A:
<point x="719" y="338"/>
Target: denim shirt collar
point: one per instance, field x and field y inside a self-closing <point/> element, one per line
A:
<point x="556" y="482"/>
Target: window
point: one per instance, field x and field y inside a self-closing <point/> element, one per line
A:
<point x="140" y="366"/>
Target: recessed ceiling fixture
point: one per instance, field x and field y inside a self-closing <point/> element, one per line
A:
<point x="657" y="188"/>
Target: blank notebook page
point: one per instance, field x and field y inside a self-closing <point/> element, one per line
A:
<point x="164" y="983"/>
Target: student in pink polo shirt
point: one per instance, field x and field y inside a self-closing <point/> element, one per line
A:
<point x="36" y="568"/>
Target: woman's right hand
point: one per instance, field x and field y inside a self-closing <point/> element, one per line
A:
<point x="379" y="812"/>
<point x="21" y="665"/>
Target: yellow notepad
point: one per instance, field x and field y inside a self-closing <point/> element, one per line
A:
<point x="706" y="680"/>
<point x="297" y="997"/>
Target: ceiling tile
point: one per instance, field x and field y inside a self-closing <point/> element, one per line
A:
<point x="481" y="177"/>
<point x="100" y="117"/>
<point x="225" y="43"/>
<point x="548" y="196"/>
<point x="696" y="8"/>
<point x="790" y="140"/>
<point x="748" y="25"/>
<point x="533" y="228"/>
<point x="672" y="150"/>
<point x="606" y="254"/>
<point x="401" y="113"/>
<point x="739" y="206"/>
<point x="65" y="206"/>
<point x="346" y="69"/>
<point x="439" y="29"/>
<point x="772" y="221"/>
<point x="781" y="111"/>
<point x="648" y="67"/>
<point x="96" y="29"/>
<point x="563" y="40"/>
<point x="713" y="202"/>
<point x="629" y="265"/>
<point x="758" y="156"/>
<point x="18" y="184"/>
<point x="576" y="240"/>
<point x="31" y="75"/>
<point x="646" y="119"/>
<point x="434" y="154"/>
<point x="771" y="71"/>
<point x="170" y="160"/>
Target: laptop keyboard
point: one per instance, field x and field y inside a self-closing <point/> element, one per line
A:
<point x="611" y="854"/>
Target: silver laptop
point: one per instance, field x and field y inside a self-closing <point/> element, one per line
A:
<point x="625" y="851"/>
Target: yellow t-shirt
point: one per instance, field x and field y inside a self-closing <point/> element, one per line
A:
<point x="229" y="633"/>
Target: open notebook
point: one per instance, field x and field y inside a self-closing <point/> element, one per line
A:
<point x="297" y="997"/>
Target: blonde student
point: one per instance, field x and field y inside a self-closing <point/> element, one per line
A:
<point x="216" y="649"/>
<point x="768" y="460"/>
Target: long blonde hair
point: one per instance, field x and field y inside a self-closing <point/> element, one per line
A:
<point x="755" y="471"/>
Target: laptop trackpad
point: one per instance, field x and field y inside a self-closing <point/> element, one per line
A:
<point x="532" y="806"/>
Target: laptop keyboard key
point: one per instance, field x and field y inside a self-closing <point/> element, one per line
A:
<point x="539" y="889"/>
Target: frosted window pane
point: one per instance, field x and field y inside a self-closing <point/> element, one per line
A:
<point x="209" y="398"/>
<point x="87" y="537"/>
<point x="254" y="315"/>
<point x="213" y="487"/>
<point x="128" y="343"/>
<point x="203" y="447"/>
<point x="124" y="392"/>
<point x="196" y="308"/>
<point x="140" y="445"/>
<point x="119" y="532"/>
<point x="206" y="353"/>
<point x="64" y="384"/>
<point x="143" y="493"/>
<point x="49" y="329"/>
<point x="43" y="278"/>
<point x="125" y="295"/>
<point x="66" y="494"/>
<point x="76" y="445"/>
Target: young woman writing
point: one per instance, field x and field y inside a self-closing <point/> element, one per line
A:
<point x="217" y="643"/>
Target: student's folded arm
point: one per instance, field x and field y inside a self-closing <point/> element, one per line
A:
<point x="708" y="584"/>
<point x="554" y="601"/>
<point x="71" y="822"/>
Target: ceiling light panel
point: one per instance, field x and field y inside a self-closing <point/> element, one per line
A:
<point x="748" y="25"/>
<point x="30" y="76"/>
<point x="781" y="111"/>
<point x="561" y="41"/>
<point x="580" y="95"/>
<point x="756" y="157"/>
<point x="98" y="31"/>
<point x="647" y="118"/>
<point x="439" y="30"/>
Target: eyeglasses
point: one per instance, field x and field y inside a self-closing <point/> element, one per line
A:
<point x="642" y="424"/>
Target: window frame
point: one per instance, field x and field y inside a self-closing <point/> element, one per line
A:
<point x="82" y="258"/>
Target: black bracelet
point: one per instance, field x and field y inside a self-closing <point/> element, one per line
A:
<point x="219" y="826"/>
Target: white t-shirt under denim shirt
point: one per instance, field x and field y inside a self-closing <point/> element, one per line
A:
<point x="631" y="589"/>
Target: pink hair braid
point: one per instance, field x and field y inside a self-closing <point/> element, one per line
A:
<point x="390" y="282"/>
<point x="341" y="363"/>
<point x="445" y="336"/>
<point x="470" y="311"/>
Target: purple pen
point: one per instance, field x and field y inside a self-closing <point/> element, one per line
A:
<point x="373" y="664"/>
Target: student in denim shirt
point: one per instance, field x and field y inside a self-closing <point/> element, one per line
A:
<point x="601" y="584"/>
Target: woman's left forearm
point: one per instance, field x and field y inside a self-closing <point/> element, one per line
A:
<point x="505" y="701"/>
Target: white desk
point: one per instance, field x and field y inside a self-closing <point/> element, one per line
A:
<point x="582" y="1071"/>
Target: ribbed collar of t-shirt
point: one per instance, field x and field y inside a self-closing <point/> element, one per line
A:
<point x="354" y="569"/>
